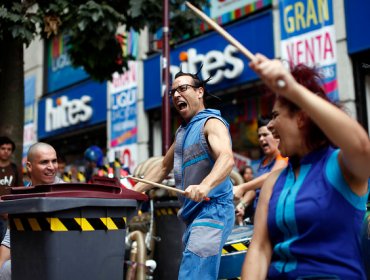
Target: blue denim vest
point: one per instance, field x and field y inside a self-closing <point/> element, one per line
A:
<point x="193" y="162"/>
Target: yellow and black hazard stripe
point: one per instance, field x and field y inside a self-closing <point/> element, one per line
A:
<point x="166" y="211"/>
<point x="235" y="247"/>
<point x="67" y="224"/>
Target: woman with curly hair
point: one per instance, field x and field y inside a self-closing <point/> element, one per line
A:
<point x="309" y="215"/>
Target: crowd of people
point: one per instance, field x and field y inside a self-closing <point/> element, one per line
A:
<point x="312" y="179"/>
<point x="307" y="197"/>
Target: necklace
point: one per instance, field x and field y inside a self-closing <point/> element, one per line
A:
<point x="2" y="167"/>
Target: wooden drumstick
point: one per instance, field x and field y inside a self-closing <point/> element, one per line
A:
<point x="222" y="32"/>
<point x="160" y="186"/>
<point x="227" y="36"/>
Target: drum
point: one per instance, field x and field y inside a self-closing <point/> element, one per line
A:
<point x="168" y="252"/>
<point x="233" y="252"/>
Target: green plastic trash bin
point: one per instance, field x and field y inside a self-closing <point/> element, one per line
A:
<point x="69" y="231"/>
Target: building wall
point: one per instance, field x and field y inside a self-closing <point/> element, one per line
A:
<point x="33" y="66"/>
<point x="345" y="70"/>
<point x="143" y="121"/>
<point x="358" y="43"/>
<point x="33" y="79"/>
<point x="150" y="130"/>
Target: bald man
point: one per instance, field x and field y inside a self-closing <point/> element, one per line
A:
<point x="42" y="167"/>
<point x="42" y="164"/>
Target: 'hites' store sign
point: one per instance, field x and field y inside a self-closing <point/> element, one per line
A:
<point x="79" y="107"/>
<point x="67" y="112"/>
<point x="218" y="64"/>
<point x="218" y="59"/>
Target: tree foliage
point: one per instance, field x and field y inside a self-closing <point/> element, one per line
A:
<point x="92" y="26"/>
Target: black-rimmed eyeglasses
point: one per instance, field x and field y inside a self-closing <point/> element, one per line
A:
<point x="180" y="89"/>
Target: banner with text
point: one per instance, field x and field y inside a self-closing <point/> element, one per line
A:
<point x="60" y="72"/>
<point x="308" y="37"/>
<point x="122" y="116"/>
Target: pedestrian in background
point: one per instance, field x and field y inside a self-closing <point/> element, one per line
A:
<point x="246" y="171"/>
<point x="248" y="192"/>
<point x="10" y="175"/>
<point x="243" y="210"/>
<point x="202" y="159"/>
<point x="310" y="214"/>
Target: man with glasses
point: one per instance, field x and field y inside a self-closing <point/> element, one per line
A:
<point x="202" y="159"/>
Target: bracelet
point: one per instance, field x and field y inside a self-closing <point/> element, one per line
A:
<point x="243" y="204"/>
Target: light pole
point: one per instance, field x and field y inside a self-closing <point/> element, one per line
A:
<point x="166" y="112"/>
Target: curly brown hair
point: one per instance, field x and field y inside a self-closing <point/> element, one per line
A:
<point x="310" y="78"/>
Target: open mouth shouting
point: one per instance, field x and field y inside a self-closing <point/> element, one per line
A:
<point x="181" y="105"/>
<point x="265" y="146"/>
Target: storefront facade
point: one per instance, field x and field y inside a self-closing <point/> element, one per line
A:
<point x="243" y="99"/>
<point x="129" y="125"/>
<point x="314" y="32"/>
<point x="73" y="119"/>
<point x="72" y="113"/>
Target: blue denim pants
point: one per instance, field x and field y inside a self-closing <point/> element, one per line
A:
<point x="203" y="241"/>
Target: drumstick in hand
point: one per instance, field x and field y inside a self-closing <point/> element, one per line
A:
<point x="160" y="186"/>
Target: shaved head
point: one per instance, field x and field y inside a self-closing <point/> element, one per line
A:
<point x="35" y="148"/>
<point x="42" y="163"/>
